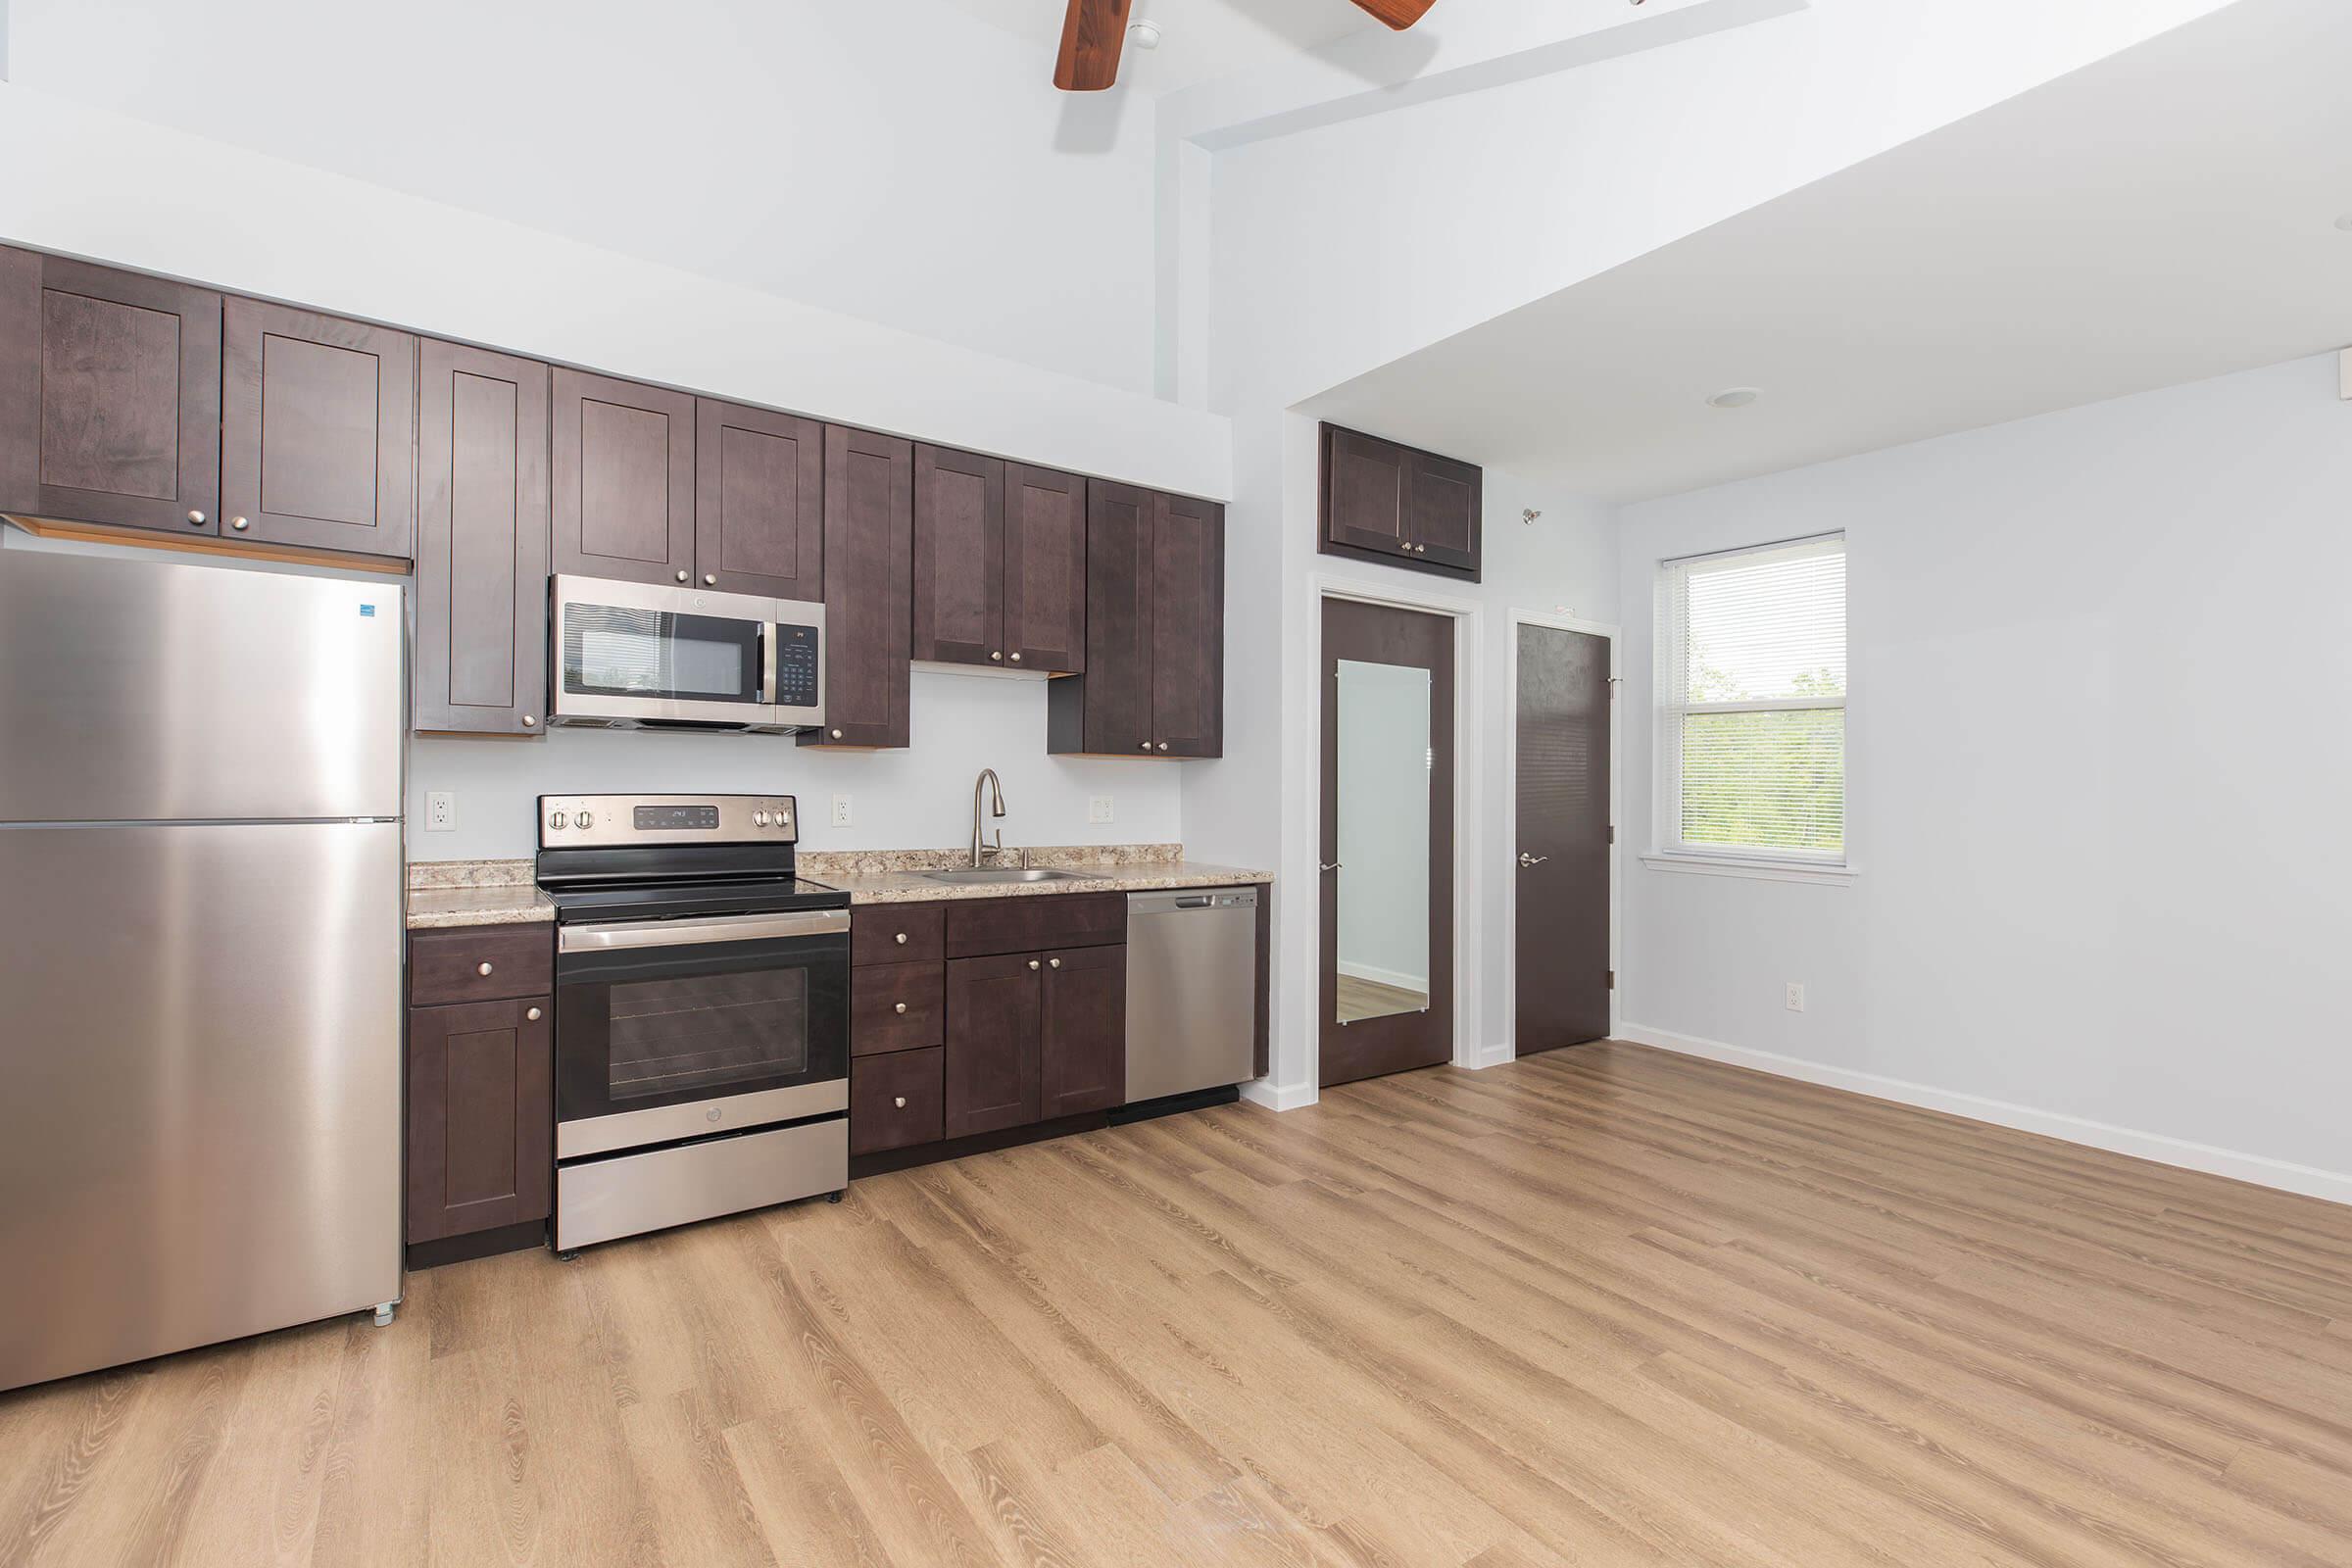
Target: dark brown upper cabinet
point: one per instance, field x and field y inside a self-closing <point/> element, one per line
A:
<point x="625" y="479"/>
<point x="870" y="589"/>
<point x="1387" y="502"/>
<point x="999" y="563"/>
<point x="958" y="557"/>
<point x="318" y="430"/>
<point x="481" y="542"/>
<point x="1154" y="681"/>
<point x="109" y="396"/>
<point x="759" y="501"/>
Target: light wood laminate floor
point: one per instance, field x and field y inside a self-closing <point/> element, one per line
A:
<point x="1359" y="998"/>
<point x="1601" y="1306"/>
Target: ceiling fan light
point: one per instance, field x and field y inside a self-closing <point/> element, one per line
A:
<point x="1144" y="34"/>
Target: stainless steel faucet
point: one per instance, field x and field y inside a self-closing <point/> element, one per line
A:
<point x="988" y="781"/>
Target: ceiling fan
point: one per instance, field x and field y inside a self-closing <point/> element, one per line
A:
<point x="1094" y="31"/>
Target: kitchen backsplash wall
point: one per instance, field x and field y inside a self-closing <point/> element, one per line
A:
<point x="920" y="798"/>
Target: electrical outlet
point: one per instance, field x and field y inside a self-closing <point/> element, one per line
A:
<point x="1098" y="808"/>
<point x="841" y="811"/>
<point x="1796" y="997"/>
<point x="440" y="811"/>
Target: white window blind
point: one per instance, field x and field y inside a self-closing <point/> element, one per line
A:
<point x="1751" y="703"/>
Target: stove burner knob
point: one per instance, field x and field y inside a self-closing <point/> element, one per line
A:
<point x="556" y="821"/>
<point x="758" y="820"/>
<point x="584" y="820"/>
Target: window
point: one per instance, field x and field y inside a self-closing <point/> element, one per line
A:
<point x="1752" y="704"/>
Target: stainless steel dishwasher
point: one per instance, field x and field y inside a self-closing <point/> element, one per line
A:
<point x="1192" y="990"/>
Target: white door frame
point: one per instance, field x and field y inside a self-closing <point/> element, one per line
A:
<point x="1469" y="746"/>
<point x="1510" y="805"/>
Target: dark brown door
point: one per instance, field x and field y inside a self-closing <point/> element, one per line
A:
<point x="1363" y="491"/>
<point x="481" y="1117"/>
<point x="1045" y="570"/>
<point x="1387" y="851"/>
<point x="1083" y="1034"/>
<point x="318" y="430"/>
<point x="1441" y="501"/>
<point x="1109" y="712"/>
<point x="109" y="396"/>
<point x="869" y="588"/>
<point x="759" y="501"/>
<point x="1188" y="626"/>
<point x="481" y="541"/>
<point x="991" y="1063"/>
<point x="958" y="557"/>
<point x="1561" y="862"/>
<point x="625" y="479"/>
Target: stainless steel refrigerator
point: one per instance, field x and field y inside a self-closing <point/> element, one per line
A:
<point x="200" y="956"/>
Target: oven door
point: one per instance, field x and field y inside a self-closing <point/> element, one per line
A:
<point x="670" y="1029"/>
<point x="635" y="654"/>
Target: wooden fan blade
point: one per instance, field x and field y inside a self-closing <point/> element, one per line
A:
<point x="1397" y="14"/>
<point x="1091" y="35"/>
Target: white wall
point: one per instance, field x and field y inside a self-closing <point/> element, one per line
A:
<point x="903" y="162"/>
<point x="2097" y="781"/>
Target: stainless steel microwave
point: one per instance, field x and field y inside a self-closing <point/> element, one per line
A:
<point x="637" y="656"/>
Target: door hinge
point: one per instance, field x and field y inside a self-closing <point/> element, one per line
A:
<point x="1612" y="833"/>
<point x="1612" y="979"/>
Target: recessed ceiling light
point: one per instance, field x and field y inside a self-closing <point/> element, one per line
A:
<point x="1144" y="34"/>
<point x="1734" y="397"/>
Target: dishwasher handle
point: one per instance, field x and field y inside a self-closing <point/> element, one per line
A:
<point x="1187" y="899"/>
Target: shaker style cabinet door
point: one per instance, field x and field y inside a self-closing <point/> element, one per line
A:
<point x="109" y="396"/>
<point x="481" y="542"/>
<point x="1045" y="570"/>
<point x="1083" y="1031"/>
<point x="625" y="479"/>
<point x="869" y="585"/>
<point x="481" y="1117"/>
<point x="960" y="558"/>
<point x="1188" y="628"/>
<point x="1363" y="491"/>
<point x="759" y="501"/>
<point x="318" y="430"/>
<point x="1107" y="711"/>
<point x="992" y="1061"/>
<point x="1442" y="499"/>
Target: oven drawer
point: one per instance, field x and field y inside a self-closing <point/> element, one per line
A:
<point x="896" y="1007"/>
<point x="480" y="963"/>
<point x="896" y="1101"/>
<point x="983" y="926"/>
<point x="628" y="1195"/>
<point x="897" y="932"/>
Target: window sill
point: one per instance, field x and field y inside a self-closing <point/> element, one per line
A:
<point x="1755" y="870"/>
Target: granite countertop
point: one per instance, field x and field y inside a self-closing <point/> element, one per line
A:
<point x="1138" y="876"/>
<point x="454" y="893"/>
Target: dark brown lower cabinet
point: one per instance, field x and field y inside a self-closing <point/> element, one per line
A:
<point x="1082" y="1031"/>
<point x="895" y="1101"/>
<point x="481" y="1117"/>
<point x="993" y="1061"/>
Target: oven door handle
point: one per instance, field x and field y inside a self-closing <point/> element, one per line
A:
<point x="681" y="933"/>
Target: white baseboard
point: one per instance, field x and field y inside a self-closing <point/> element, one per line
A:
<point x="2261" y="1170"/>
<point x="1279" y="1096"/>
<point x="1387" y="977"/>
<point x="1489" y="1056"/>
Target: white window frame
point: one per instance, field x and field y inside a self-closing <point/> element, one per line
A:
<point x="1669" y="707"/>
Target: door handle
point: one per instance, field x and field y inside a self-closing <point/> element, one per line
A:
<point x="1526" y="860"/>
<point x="1327" y="865"/>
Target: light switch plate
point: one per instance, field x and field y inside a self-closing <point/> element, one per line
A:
<point x="440" y="811"/>
<point x="841" y="811"/>
<point x="1098" y="808"/>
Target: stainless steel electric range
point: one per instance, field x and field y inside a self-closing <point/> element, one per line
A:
<point x="702" y="1011"/>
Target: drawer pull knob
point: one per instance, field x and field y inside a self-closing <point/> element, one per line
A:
<point x="900" y="1008"/>
<point x="900" y="938"/>
<point x="482" y="968"/>
<point x="899" y="1100"/>
<point x="1032" y="963"/>
<point x="532" y="1013"/>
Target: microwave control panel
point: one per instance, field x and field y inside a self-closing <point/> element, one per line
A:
<point x="796" y="668"/>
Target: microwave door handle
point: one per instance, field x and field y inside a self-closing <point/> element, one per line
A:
<point x="767" y="663"/>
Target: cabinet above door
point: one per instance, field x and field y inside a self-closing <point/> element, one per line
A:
<point x="109" y="396"/>
<point x="1386" y="502"/>
<point x="318" y="430"/>
<point x="624" y="479"/>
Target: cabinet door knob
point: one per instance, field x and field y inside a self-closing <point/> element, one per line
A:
<point x="482" y="968"/>
<point x="899" y="1008"/>
<point x="239" y="523"/>
<point x="899" y="1100"/>
<point x="837" y="734"/>
<point x="1146" y="746"/>
<point x="195" y="520"/>
<point x="709" y="579"/>
<point x="532" y="1013"/>
<point x="683" y="577"/>
<point x="1056" y="963"/>
<point x="1032" y="963"/>
<point x="529" y="721"/>
<point x="1164" y="746"/>
<point x="900" y="938"/>
<point x="1016" y="657"/>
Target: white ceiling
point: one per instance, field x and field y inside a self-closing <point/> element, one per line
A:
<point x="2165" y="216"/>
<point x="1199" y="38"/>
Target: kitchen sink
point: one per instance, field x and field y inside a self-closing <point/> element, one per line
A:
<point x="1002" y="874"/>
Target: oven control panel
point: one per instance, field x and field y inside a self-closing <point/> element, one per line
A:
<point x="585" y="821"/>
